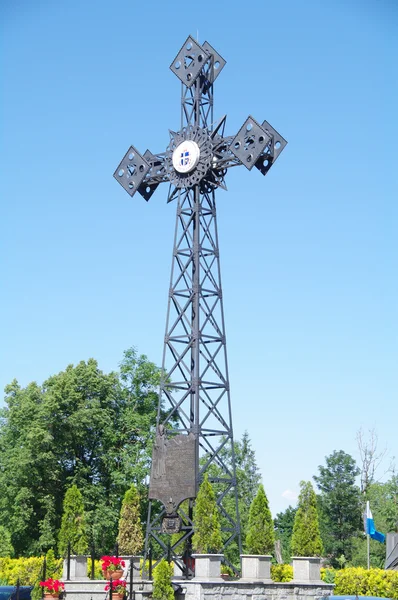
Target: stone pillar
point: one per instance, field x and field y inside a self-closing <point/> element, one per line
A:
<point x="78" y="568"/>
<point x="306" y="568"/>
<point x="208" y="566"/>
<point x="256" y="566"/>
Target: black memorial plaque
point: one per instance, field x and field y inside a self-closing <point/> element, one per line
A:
<point x="171" y="524"/>
<point x="173" y="469"/>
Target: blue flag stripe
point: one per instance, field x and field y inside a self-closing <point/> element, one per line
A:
<point x="370" y="528"/>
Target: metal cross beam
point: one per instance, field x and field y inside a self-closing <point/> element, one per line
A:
<point x="194" y="426"/>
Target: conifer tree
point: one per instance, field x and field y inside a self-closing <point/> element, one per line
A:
<point x="130" y="537"/>
<point x="260" y="535"/>
<point x="53" y="565"/>
<point x="73" y="525"/>
<point x="306" y="538"/>
<point x="6" y="548"/>
<point x="47" y="527"/>
<point x="162" y="588"/>
<point x="339" y="504"/>
<point x="206" y="519"/>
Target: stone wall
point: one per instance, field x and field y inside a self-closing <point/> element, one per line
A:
<point x="207" y="585"/>
<point x="244" y="590"/>
<point x="217" y="590"/>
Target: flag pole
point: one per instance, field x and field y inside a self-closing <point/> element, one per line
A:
<point x="368" y="537"/>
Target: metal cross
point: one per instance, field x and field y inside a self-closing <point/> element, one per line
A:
<point x="194" y="426"/>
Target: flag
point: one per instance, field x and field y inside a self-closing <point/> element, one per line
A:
<point x="370" y="525"/>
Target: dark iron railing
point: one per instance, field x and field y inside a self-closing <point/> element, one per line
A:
<point x="44" y="575"/>
<point x="93" y="557"/>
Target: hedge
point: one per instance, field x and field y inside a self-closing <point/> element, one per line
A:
<point x="281" y="573"/>
<point x="363" y="582"/>
<point x="28" y="570"/>
<point x="350" y="581"/>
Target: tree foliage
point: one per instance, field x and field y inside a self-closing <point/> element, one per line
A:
<point x="340" y="506"/>
<point x="283" y="523"/>
<point x="73" y="525"/>
<point x="247" y="478"/>
<point x="247" y="472"/>
<point x="260" y="535"/>
<point x="383" y="499"/>
<point x="207" y="537"/>
<point x="6" y="548"/>
<point x="130" y="537"/>
<point x="81" y="427"/>
<point x="306" y="538"/>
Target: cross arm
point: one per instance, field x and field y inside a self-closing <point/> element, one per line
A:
<point x="254" y="145"/>
<point x="141" y="173"/>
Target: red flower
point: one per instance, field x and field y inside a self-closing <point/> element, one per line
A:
<point x="52" y="586"/>
<point x="118" y="586"/>
<point x="112" y="563"/>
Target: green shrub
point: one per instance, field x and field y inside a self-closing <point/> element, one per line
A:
<point x="260" y="538"/>
<point x="73" y="524"/>
<point x="227" y="570"/>
<point x="351" y="581"/>
<point x="130" y="537"/>
<point x="207" y="537"/>
<point x="27" y="570"/>
<point x="98" y="573"/>
<point x="328" y="575"/>
<point x="393" y="591"/>
<point x="162" y="588"/>
<point x="364" y="582"/>
<point x="281" y="573"/>
<point x="306" y="537"/>
<point x="53" y="565"/>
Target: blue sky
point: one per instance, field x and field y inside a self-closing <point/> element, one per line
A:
<point x="308" y="253"/>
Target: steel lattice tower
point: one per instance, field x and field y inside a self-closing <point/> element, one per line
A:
<point x="194" y="428"/>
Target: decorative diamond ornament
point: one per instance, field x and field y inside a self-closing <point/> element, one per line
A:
<point x="276" y="145"/>
<point x="189" y="61"/>
<point x="132" y="171"/>
<point x="147" y="188"/>
<point x="278" y="141"/>
<point x="218" y="62"/>
<point x="250" y="142"/>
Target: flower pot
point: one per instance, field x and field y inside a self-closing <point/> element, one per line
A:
<point x="113" y="574"/>
<point x="116" y="596"/>
<point x="49" y="596"/>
